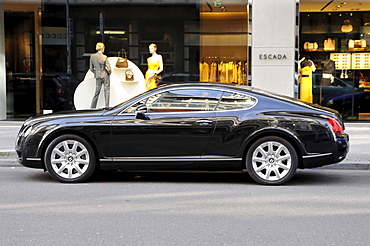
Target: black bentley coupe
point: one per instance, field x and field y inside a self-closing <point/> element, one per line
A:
<point x="187" y="127"/>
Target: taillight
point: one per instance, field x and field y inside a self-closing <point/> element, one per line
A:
<point x="337" y="128"/>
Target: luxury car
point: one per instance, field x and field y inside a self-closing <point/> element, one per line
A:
<point x="188" y="127"/>
<point x="351" y="104"/>
<point x="323" y="93"/>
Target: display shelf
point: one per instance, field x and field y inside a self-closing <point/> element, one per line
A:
<point x="125" y="81"/>
<point x="361" y="61"/>
<point x="349" y="51"/>
<point x="335" y="42"/>
<point x="123" y="68"/>
<point x="342" y="60"/>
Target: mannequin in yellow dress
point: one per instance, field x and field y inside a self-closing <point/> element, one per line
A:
<point x="155" y="66"/>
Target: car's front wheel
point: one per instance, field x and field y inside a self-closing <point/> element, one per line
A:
<point x="70" y="159"/>
<point x="271" y="160"/>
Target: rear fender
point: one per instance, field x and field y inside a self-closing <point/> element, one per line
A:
<point x="275" y="131"/>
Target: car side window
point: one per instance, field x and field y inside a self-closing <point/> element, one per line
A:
<point x="337" y="82"/>
<point x="232" y="100"/>
<point x="132" y="108"/>
<point x="180" y="100"/>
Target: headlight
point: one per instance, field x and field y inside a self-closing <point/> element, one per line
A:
<point x="23" y="134"/>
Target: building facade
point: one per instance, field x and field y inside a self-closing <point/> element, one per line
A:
<point x="45" y="46"/>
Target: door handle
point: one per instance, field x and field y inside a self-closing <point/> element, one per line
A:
<point x="204" y="122"/>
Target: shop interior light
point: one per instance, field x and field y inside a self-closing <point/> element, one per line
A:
<point x="337" y="6"/>
<point x="112" y="32"/>
<point x="346" y="27"/>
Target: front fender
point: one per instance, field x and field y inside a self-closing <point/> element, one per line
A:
<point x="79" y="130"/>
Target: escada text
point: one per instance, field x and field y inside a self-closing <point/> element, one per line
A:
<point x="272" y="56"/>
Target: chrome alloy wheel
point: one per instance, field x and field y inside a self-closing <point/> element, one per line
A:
<point x="271" y="161"/>
<point x="70" y="159"/>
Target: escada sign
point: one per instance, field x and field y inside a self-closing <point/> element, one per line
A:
<point x="272" y="56"/>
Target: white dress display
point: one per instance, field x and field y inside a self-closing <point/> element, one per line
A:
<point x="120" y="89"/>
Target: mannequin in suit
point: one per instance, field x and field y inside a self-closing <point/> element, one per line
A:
<point x="100" y="66"/>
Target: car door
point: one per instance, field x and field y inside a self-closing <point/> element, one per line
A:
<point x="176" y="125"/>
<point x="233" y="112"/>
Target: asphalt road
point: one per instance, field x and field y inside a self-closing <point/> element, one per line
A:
<point x="318" y="207"/>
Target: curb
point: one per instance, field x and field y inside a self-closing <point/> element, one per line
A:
<point x="9" y="159"/>
<point x="347" y="166"/>
<point x="8" y="155"/>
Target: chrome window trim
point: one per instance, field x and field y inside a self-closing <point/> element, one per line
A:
<point x="195" y="88"/>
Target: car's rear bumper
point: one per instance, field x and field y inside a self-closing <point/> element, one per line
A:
<point x="339" y="153"/>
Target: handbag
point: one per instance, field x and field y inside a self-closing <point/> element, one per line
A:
<point x="329" y="44"/>
<point x="122" y="60"/>
<point x="307" y="46"/>
<point x="129" y="75"/>
<point x="357" y="44"/>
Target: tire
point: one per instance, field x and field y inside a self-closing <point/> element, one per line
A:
<point x="70" y="159"/>
<point x="271" y="161"/>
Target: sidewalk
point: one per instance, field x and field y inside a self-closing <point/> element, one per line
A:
<point x="8" y="134"/>
<point x="357" y="158"/>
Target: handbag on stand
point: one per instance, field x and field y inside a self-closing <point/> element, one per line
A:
<point x="122" y="59"/>
<point x="129" y="75"/>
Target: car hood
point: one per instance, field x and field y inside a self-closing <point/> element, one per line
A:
<point x="64" y="114"/>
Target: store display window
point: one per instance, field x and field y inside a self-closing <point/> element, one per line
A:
<point x="338" y="43"/>
<point x="202" y="38"/>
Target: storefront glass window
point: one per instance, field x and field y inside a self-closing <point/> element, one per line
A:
<point x="338" y="45"/>
<point x="201" y="40"/>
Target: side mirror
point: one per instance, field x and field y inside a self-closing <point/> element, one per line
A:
<point x="140" y="112"/>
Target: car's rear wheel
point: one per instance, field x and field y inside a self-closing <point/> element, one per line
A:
<point x="70" y="159"/>
<point x="271" y="160"/>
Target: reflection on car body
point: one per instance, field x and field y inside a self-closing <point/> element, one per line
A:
<point x="57" y="90"/>
<point x="322" y="94"/>
<point x="188" y="127"/>
<point x="186" y="77"/>
<point x="178" y="77"/>
<point x="351" y="104"/>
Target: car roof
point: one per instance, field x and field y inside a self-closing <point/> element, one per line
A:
<point x="212" y="84"/>
<point x="217" y="85"/>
